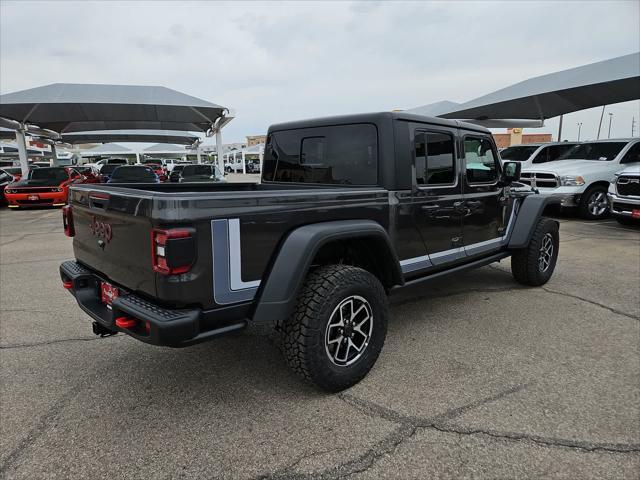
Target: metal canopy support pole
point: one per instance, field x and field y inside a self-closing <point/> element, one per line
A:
<point x="54" y="155"/>
<point x="244" y="163"/>
<point x="22" y="151"/>
<point x="198" y="154"/>
<point x="137" y="158"/>
<point x="261" y="157"/>
<point x="219" y="151"/>
<point x="560" y="129"/>
<point x="600" y="124"/>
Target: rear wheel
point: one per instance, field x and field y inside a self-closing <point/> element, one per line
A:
<point x="339" y="326"/>
<point x="593" y="203"/>
<point x="534" y="264"/>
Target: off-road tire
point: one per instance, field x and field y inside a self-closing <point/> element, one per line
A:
<point x="303" y="333"/>
<point x="525" y="263"/>
<point x="583" y="206"/>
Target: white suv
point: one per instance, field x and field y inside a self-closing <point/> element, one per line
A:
<point x="529" y="154"/>
<point x="581" y="177"/>
<point x="624" y="196"/>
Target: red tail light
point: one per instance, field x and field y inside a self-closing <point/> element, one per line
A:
<point x="126" y="322"/>
<point x="68" y="284"/>
<point x="172" y="251"/>
<point x="67" y="221"/>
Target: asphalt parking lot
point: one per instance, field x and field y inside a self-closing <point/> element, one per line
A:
<point x="479" y="378"/>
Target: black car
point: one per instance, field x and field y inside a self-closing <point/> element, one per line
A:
<point x="174" y="176"/>
<point x="200" y="173"/>
<point x="349" y="210"/>
<point x="5" y="179"/>
<point x="134" y="174"/>
<point x="107" y="170"/>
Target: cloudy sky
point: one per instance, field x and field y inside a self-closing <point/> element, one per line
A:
<point x="282" y="61"/>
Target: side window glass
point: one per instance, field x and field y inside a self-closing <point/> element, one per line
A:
<point x="542" y="156"/>
<point x="480" y="160"/>
<point x="435" y="159"/>
<point x="632" y="155"/>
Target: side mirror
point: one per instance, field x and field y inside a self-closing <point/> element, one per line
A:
<point x="511" y="172"/>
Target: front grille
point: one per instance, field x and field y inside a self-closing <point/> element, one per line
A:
<point x="541" y="180"/>
<point x="35" y="190"/>
<point x="41" y="201"/>
<point x="628" y="185"/>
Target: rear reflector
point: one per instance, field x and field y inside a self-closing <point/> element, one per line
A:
<point x="126" y="322"/>
<point x="172" y="251"/>
<point x="68" y="284"/>
<point x="67" y="221"/>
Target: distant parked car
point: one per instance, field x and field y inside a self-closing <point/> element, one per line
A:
<point x="158" y="168"/>
<point x="43" y="187"/>
<point x="134" y="174"/>
<point x="106" y="170"/>
<point x="89" y="173"/>
<point x="624" y="195"/>
<point x="201" y="173"/>
<point x="233" y="166"/>
<point x="581" y="177"/>
<point x="5" y="179"/>
<point x="15" y="172"/>
<point x="174" y="175"/>
<point x="533" y="153"/>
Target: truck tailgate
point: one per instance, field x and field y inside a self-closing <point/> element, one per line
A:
<point x="113" y="237"/>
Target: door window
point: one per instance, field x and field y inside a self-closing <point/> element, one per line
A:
<point x="480" y="160"/>
<point x="435" y="159"/>
<point x="632" y="155"/>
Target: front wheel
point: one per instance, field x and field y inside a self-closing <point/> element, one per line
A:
<point x="339" y="326"/>
<point x="534" y="264"/>
<point x="593" y="203"/>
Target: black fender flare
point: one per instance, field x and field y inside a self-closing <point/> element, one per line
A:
<point x="530" y="211"/>
<point x="277" y="295"/>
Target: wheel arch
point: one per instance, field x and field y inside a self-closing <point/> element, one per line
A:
<point x="323" y="243"/>
<point x="531" y="210"/>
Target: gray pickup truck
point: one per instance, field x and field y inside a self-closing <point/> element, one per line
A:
<point x="349" y="209"/>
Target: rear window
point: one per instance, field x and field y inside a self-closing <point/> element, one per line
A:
<point x="133" y="174"/>
<point x="108" y="169"/>
<point x="344" y="155"/>
<point x="49" y="174"/>
<point x="197" y="170"/>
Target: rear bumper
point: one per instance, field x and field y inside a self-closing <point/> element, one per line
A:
<point x="154" y="324"/>
<point x="44" y="199"/>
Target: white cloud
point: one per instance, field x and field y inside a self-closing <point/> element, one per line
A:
<point x="281" y="61"/>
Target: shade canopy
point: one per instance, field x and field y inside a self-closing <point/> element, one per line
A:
<point x="602" y="83"/>
<point x="164" y="148"/>
<point x="64" y="107"/>
<point x="146" y="136"/>
<point x="107" y="149"/>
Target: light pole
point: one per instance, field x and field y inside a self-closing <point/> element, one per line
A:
<point x="579" y="128"/>
<point x="610" y="117"/>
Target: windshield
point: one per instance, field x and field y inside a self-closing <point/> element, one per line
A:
<point x="58" y="174"/>
<point x="190" y="170"/>
<point x="178" y="168"/>
<point x="604" y="151"/>
<point x="518" y="153"/>
<point x="134" y="174"/>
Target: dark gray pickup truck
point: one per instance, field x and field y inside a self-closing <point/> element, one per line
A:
<point x="349" y="209"/>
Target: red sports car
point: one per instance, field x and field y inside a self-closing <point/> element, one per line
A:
<point x="43" y="186"/>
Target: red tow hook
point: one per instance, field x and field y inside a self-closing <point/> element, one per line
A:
<point x="126" y="322"/>
<point x="68" y="284"/>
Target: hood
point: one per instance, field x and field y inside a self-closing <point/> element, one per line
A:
<point x="571" y="167"/>
<point x="38" y="183"/>
<point x="633" y="169"/>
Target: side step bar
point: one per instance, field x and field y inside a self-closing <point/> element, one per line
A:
<point x="460" y="268"/>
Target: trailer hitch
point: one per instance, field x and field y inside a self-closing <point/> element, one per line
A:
<point x="101" y="330"/>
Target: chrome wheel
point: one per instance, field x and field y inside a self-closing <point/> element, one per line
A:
<point x="348" y="331"/>
<point x="597" y="203"/>
<point x="546" y="253"/>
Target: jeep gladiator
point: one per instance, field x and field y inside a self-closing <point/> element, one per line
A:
<point x="349" y="209"/>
